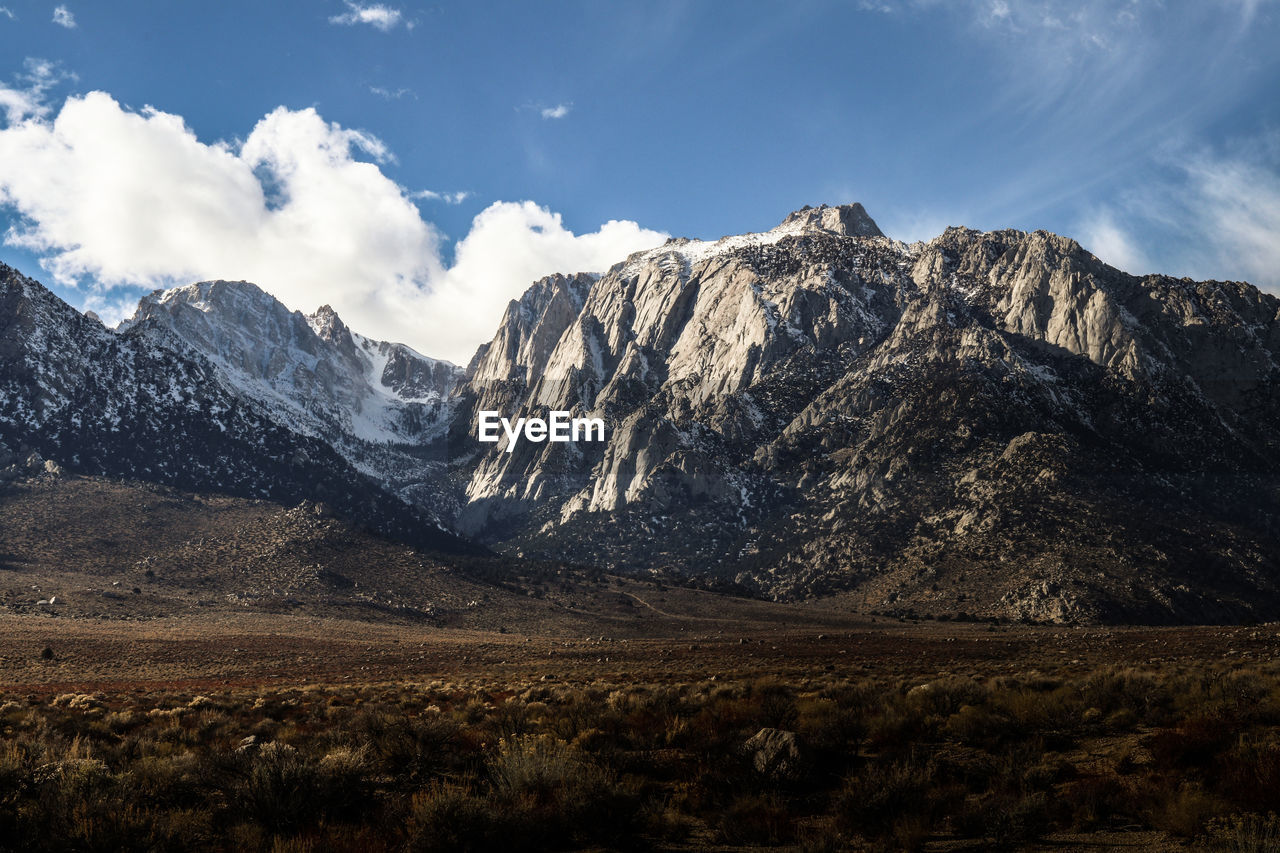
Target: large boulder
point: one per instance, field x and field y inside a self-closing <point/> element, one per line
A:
<point x="774" y="753"/>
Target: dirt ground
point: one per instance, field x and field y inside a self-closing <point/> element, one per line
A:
<point x="770" y="640"/>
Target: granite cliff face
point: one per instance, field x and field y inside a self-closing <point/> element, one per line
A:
<point x="994" y="423"/>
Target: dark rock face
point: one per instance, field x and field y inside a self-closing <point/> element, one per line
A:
<point x="988" y="423"/>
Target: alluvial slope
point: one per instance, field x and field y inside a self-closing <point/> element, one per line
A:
<point x="989" y="422"/>
<point x="108" y="549"/>
<point x="101" y="548"/>
<point x="148" y="407"/>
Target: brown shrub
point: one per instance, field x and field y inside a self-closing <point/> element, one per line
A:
<point x="756" y="819"/>
<point x="1244" y="833"/>
<point x="1196" y="743"/>
<point x="885" y="798"/>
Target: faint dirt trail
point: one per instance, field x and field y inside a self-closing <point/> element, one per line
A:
<point x="655" y="609"/>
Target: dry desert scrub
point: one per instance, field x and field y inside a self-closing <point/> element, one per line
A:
<point x="1191" y="755"/>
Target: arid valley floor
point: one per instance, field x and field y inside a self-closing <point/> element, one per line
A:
<point x="672" y="646"/>
<point x="181" y="672"/>
<point x="959" y="736"/>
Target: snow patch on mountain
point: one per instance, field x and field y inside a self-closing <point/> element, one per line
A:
<point x="312" y="372"/>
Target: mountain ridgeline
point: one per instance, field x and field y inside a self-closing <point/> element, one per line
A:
<point x="989" y="423"/>
<point x="379" y="405"/>
<point x="146" y="404"/>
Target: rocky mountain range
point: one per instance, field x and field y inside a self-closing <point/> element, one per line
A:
<point x="987" y="423"/>
<point x="145" y="404"/>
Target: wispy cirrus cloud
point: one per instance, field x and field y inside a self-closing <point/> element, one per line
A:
<point x="1101" y="73"/>
<point x="27" y="96"/>
<point x="1249" y="9"/>
<point x="558" y="111"/>
<point x="393" y="94"/>
<point x="1057" y="53"/>
<point x="377" y="15"/>
<point x="448" y="198"/>
<point x="1099" y="108"/>
<point x="1103" y="234"/>
<point x="1207" y="213"/>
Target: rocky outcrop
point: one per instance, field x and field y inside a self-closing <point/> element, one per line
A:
<point x="774" y="753"/>
<point x="530" y="330"/>
<point x="846" y="220"/>
<point x="993" y="423"/>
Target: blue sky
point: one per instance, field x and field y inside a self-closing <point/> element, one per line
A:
<point x="339" y="151"/>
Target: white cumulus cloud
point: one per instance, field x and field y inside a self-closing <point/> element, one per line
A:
<point x="376" y="15"/>
<point x="114" y="200"/>
<point x="63" y="17"/>
<point x="558" y="111"/>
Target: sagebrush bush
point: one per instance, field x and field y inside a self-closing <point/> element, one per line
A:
<point x="1244" y="833"/>
<point x="883" y="798"/>
<point x="946" y="696"/>
<point x="756" y="819"/>
<point x="889" y="763"/>
<point x="448" y="818"/>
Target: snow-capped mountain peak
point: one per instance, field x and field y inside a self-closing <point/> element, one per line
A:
<point x="381" y="405"/>
<point x="313" y="372"/>
<point x="846" y="220"/>
<point x="144" y="403"/>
